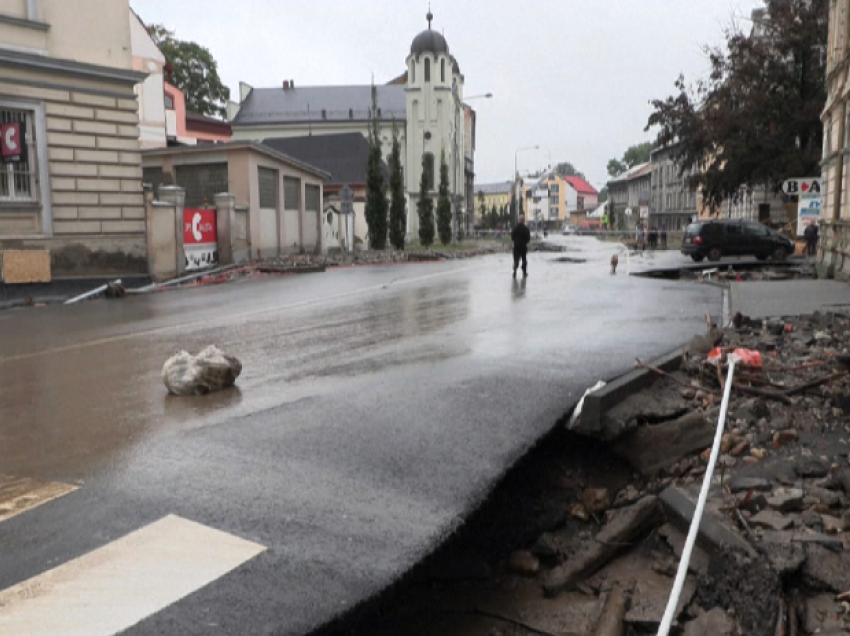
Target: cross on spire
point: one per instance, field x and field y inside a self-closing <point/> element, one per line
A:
<point x="430" y="16"/>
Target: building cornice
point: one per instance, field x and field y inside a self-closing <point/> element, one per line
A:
<point x="21" y="22"/>
<point x="77" y="69"/>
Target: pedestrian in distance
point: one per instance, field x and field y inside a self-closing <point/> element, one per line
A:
<point x="663" y="238"/>
<point x="521" y="237"/>
<point x="638" y="238"/>
<point x="653" y="238"/>
<point x="811" y="236"/>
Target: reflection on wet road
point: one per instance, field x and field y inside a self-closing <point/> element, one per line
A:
<point x="376" y="408"/>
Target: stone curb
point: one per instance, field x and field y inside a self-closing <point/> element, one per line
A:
<point x="597" y="403"/>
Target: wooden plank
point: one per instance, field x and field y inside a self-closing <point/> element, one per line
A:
<point x="25" y="266"/>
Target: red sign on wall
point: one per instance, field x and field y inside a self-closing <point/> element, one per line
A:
<point x="199" y="227"/>
<point x="200" y="239"/>
<point x="12" y="145"/>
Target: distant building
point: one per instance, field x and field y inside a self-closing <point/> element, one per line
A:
<point x="498" y="194"/>
<point x="579" y="198"/>
<point x="674" y="204"/>
<point x="629" y="192"/>
<point x="425" y="103"/>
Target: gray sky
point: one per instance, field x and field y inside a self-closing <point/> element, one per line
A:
<point x="573" y="76"/>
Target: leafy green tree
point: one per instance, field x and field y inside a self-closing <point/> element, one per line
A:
<point x="425" y="207"/>
<point x="376" y="198"/>
<point x="444" y="203"/>
<point x="634" y="155"/>
<point x="194" y="71"/>
<point x="567" y="169"/>
<point x="482" y="209"/>
<point x="398" y="209"/>
<point x="755" y="121"/>
<point x="603" y="195"/>
<point x="616" y="167"/>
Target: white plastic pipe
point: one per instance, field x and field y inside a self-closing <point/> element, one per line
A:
<point x="95" y="292"/>
<point x="682" y="573"/>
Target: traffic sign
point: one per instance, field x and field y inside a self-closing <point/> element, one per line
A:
<point x="808" y="185"/>
<point x="628" y="211"/>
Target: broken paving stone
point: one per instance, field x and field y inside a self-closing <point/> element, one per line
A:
<point x="786" y="500"/>
<point x="596" y="500"/>
<point x="783" y="438"/>
<point x="676" y="540"/>
<point x="822" y="615"/>
<point x="785" y="556"/>
<point x="523" y="562"/>
<point x="826" y="497"/>
<point x="811" y="468"/>
<point x="714" y="623"/>
<point x="771" y="520"/>
<point x="743" y="484"/>
<point x="825" y="569"/>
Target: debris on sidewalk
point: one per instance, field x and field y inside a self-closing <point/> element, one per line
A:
<point x="210" y="371"/>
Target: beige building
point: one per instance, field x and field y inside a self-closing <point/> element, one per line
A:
<point x="282" y="196"/>
<point x="834" y="251"/>
<point x="71" y="182"/>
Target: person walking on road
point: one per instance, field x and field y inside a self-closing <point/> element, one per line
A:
<point x="663" y="238"/>
<point x="811" y="236"/>
<point x="521" y="238"/>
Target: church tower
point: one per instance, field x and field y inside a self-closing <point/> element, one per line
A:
<point x="435" y="120"/>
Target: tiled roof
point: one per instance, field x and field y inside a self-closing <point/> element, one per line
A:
<point x="264" y="106"/>
<point x="345" y="156"/>
<point x="580" y="185"/>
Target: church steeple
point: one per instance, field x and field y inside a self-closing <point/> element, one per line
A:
<point x="429" y="16"/>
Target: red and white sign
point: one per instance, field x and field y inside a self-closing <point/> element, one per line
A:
<point x="11" y="141"/>
<point x="200" y="239"/>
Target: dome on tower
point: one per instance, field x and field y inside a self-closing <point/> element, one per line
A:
<point x="429" y="41"/>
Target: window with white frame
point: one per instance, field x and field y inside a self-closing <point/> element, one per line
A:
<point x="18" y="161"/>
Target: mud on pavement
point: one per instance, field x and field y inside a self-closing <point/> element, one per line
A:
<point x="584" y="536"/>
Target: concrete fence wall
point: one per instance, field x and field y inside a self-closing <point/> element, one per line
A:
<point x="833" y="259"/>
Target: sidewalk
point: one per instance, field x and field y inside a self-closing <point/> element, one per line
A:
<point x="765" y="299"/>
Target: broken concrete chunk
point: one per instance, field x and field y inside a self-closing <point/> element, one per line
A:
<point x="743" y="484"/>
<point x="809" y="467"/>
<point x="675" y="538"/>
<point x="625" y="525"/>
<point x="786" y="500"/>
<point x="771" y="521"/>
<point x="211" y="370"/>
<point x="714" y="623"/>
<point x="653" y="448"/>
<point x="826" y="569"/>
<point x="826" y="497"/>
<point x="822" y="615"/>
<point x="611" y="622"/>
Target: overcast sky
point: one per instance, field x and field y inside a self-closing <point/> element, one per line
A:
<point x="573" y="76"/>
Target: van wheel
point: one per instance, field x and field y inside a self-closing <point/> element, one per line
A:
<point x="714" y="254"/>
<point x="697" y="258"/>
<point x="780" y="254"/>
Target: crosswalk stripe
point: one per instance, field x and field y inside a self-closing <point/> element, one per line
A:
<point x="18" y="495"/>
<point x="118" y="585"/>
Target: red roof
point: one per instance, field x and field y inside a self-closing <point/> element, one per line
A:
<point x="580" y="185"/>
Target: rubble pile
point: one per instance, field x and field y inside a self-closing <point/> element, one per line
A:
<point x="339" y="258"/>
<point x="773" y="553"/>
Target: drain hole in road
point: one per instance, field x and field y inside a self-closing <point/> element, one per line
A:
<point x="533" y="498"/>
<point x="569" y="259"/>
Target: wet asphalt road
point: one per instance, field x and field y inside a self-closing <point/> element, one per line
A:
<point x="376" y="409"/>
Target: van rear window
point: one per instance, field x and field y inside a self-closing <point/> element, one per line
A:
<point x="693" y="229"/>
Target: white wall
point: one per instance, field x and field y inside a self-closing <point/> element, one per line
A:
<point x="148" y="59"/>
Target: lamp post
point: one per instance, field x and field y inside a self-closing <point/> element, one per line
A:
<point x="458" y="175"/>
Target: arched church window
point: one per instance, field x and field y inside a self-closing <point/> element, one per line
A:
<point x="427" y="70"/>
<point x="428" y="167"/>
<point x="442" y="70"/>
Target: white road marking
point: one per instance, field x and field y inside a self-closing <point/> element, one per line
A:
<point x="114" y="587"/>
<point x="18" y="495"/>
<point x="209" y="321"/>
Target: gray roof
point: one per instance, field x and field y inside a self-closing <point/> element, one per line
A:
<point x="429" y="42"/>
<point x="503" y="187"/>
<point x="345" y="155"/>
<point x="265" y="106"/>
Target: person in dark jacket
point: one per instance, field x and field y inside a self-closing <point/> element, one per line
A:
<point x="811" y="236"/>
<point x="521" y="238"/>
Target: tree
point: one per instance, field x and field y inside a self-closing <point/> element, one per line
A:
<point x="521" y="210"/>
<point x="567" y="169"/>
<point x="755" y="121"/>
<point x="482" y="209"/>
<point x="444" y="203"/>
<point x="425" y="207"/>
<point x="634" y="155"/>
<point x="603" y="195"/>
<point x="376" y="198"/>
<point x="398" y="210"/>
<point x="194" y="71"/>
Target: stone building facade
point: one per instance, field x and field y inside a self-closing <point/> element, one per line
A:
<point x="75" y="189"/>
<point x="833" y="258"/>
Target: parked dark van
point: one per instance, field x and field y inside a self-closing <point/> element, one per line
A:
<point x="714" y="239"/>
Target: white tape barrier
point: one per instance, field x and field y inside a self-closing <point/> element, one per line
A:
<point x="682" y="573"/>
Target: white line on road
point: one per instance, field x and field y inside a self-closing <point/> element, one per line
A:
<point x="208" y="321"/>
<point x="114" y="587"/>
<point x="17" y="495"/>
